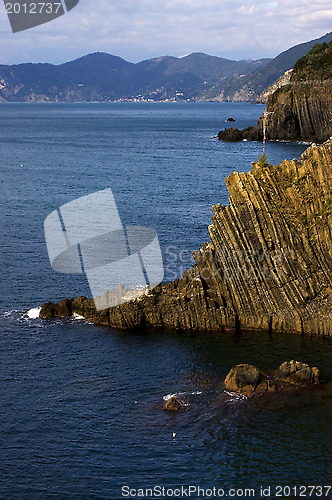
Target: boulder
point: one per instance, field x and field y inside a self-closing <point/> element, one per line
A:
<point x="172" y="404"/>
<point x="297" y="372"/>
<point x="247" y="379"/>
<point x="48" y="310"/>
<point x="77" y="305"/>
<point x="252" y="134"/>
<point x="242" y="378"/>
<point x="230" y="119"/>
<point x="64" y="308"/>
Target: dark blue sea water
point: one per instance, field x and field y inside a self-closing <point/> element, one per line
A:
<point x="81" y="405"/>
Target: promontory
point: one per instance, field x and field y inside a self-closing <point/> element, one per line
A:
<point x="267" y="266"/>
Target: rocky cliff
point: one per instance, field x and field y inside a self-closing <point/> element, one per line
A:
<point x="280" y="82"/>
<point x="268" y="264"/>
<point x="302" y="110"/>
<point x="299" y="111"/>
<point x="249" y="87"/>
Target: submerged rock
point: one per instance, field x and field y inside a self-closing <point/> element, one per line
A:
<point x="172" y="404"/>
<point x="242" y="378"/>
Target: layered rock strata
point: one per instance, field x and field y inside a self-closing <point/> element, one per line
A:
<point x="300" y="112"/>
<point x="268" y="265"/>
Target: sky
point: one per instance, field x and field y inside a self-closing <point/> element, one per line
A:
<point x="141" y="29"/>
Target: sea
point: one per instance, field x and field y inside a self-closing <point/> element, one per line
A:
<point x="81" y="404"/>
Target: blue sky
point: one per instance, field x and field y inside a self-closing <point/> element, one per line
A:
<point x="141" y="29"/>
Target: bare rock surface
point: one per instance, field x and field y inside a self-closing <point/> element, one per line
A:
<point x="248" y="380"/>
<point x="172" y="404"/>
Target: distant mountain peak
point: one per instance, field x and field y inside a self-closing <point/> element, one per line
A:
<point x="100" y="76"/>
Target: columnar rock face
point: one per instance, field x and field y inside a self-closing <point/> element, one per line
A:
<point x="270" y="255"/>
<point x="268" y="264"/>
<point x="300" y="112"/>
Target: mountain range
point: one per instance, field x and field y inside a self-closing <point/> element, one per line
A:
<point x="105" y="77"/>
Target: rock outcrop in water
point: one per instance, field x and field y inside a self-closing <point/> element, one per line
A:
<point x="172" y="404"/>
<point x="268" y="265"/>
<point x="233" y="134"/>
<point x="247" y="379"/>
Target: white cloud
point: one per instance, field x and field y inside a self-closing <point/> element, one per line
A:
<point x="247" y="10"/>
<point x="141" y="29"/>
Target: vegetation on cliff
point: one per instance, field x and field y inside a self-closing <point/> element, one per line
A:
<point x="301" y="111"/>
<point x="268" y="264"/>
<point x="315" y="65"/>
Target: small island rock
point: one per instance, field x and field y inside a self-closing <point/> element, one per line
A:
<point x="242" y="378"/>
<point x="172" y="404"/>
<point x="247" y="379"/>
<point x="298" y="372"/>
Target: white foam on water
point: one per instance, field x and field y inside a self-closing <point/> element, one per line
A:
<point x="7" y="314"/>
<point x="235" y="397"/>
<point x="34" y="312"/>
<point x="77" y="316"/>
<point x="168" y="396"/>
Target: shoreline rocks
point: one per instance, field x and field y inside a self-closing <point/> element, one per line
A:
<point x="295" y="372"/>
<point x="242" y="378"/>
<point x="248" y="381"/>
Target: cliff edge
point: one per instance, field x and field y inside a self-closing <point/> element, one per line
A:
<point x="268" y="265"/>
<point x="302" y="110"/>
